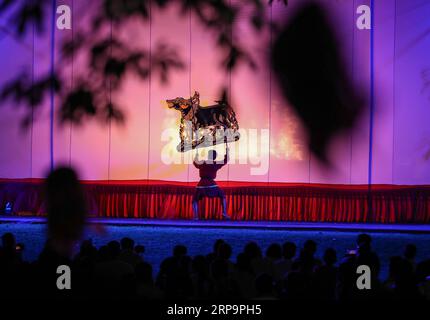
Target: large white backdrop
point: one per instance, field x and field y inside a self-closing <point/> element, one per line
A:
<point x="273" y="146"/>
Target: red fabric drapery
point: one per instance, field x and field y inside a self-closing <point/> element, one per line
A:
<point x="246" y="201"/>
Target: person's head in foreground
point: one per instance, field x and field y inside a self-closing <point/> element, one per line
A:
<point x="66" y="209"/>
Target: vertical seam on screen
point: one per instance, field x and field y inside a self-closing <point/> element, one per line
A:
<point x="309" y="161"/>
<point x="372" y="102"/>
<point x="394" y="89"/>
<point x="229" y="99"/>
<point x="110" y="101"/>
<point x="72" y="82"/>
<point x="369" y="179"/>
<point x="32" y="108"/>
<point x="189" y="83"/>
<point x="270" y="89"/>
<point x="51" y="113"/>
<point x="353" y="79"/>
<point x="149" y="91"/>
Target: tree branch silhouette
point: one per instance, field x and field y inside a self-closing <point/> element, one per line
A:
<point x="110" y="59"/>
<point x="305" y="61"/>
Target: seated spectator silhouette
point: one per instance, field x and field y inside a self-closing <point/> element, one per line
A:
<point x="403" y="281"/>
<point x="145" y="287"/>
<point x="174" y="276"/>
<point x="325" y="278"/>
<point x="244" y="277"/>
<point x="423" y="277"/>
<point x="224" y="253"/>
<point x="273" y="256"/>
<point x="366" y="256"/>
<point x="128" y="253"/>
<point x="258" y="264"/>
<point x="347" y="277"/>
<point x="223" y="286"/>
<point x="10" y="252"/>
<point x="110" y="273"/>
<point x="410" y="254"/>
<point x="264" y="284"/>
<point x="200" y="277"/>
<point x="307" y="261"/>
<point x="211" y="256"/>
<point x="12" y="267"/>
<point x="83" y="264"/>
<point x="283" y="266"/>
<point x="424" y="287"/>
<point x="297" y="284"/>
<point x="390" y="283"/>
<point x="140" y="250"/>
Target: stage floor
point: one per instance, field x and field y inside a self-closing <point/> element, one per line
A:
<point x="271" y="225"/>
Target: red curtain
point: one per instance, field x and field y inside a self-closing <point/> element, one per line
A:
<point x="246" y="201"/>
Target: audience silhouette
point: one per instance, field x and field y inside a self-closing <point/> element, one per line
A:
<point x="119" y="269"/>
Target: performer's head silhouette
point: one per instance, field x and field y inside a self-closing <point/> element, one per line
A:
<point x="212" y="155"/>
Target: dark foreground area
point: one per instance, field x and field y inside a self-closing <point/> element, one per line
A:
<point x="194" y="263"/>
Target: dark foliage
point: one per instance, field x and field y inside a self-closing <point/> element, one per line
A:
<point x="304" y="58"/>
<point x="110" y="59"/>
<point x="312" y="77"/>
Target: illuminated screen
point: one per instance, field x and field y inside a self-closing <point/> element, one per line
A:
<point x="391" y="144"/>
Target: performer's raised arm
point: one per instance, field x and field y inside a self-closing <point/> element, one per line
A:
<point x="227" y="154"/>
<point x="196" y="160"/>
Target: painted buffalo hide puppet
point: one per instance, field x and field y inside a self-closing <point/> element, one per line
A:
<point x="203" y="126"/>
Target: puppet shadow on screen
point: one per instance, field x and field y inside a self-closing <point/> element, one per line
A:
<point x="204" y="126"/>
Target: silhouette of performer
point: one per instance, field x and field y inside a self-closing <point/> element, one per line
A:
<point x="207" y="187"/>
